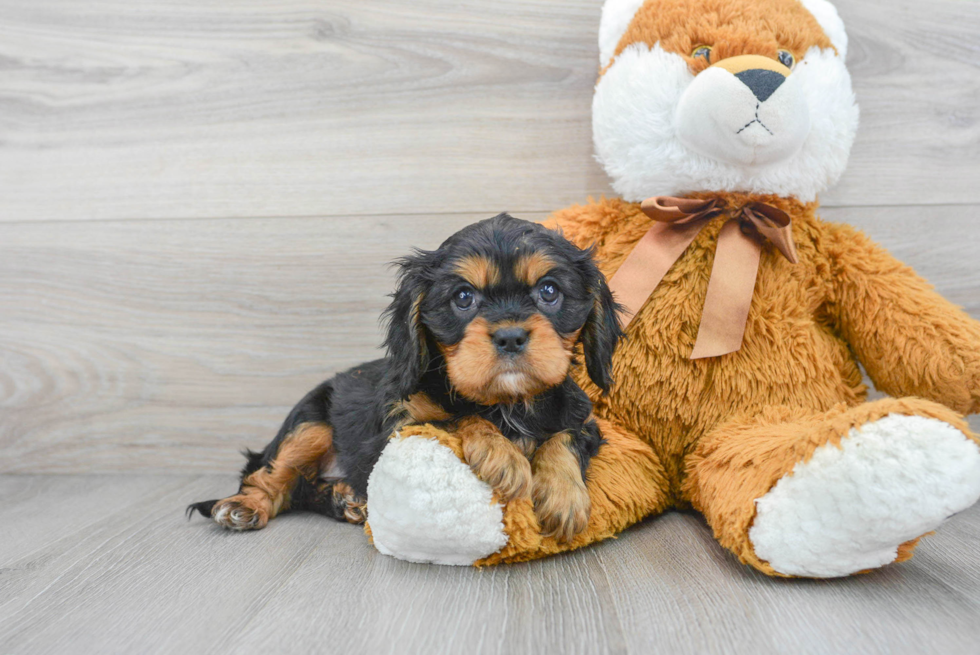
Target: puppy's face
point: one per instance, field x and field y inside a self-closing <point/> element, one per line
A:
<point x="507" y="318"/>
<point x="505" y="302"/>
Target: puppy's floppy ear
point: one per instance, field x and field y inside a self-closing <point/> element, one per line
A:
<point x="602" y="330"/>
<point x="405" y="335"/>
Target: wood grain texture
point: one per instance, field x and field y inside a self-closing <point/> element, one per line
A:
<point x="135" y="344"/>
<point x="254" y="108"/>
<point x="917" y="78"/>
<point x="170" y="345"/>
<point x="730" y="608"/>
<point x="311" y="143"/>
<point x="132" y="576"/>
<point x="187" y="109"/>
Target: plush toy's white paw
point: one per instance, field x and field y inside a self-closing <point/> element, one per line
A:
<point x="425" y="505"/>
<point x="848" y="509"/>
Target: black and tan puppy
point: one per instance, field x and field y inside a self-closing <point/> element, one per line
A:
<point x="480" y="338"/>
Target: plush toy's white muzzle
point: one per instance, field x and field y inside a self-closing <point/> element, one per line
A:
<point x="659" y="129"/>
<point x="741" y="114"/>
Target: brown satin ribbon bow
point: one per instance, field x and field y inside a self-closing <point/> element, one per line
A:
<point x="732" y="281"/>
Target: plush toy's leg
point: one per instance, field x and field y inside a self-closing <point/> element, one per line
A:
<point x="426" y="505"/>
<point x="794" y="493"/>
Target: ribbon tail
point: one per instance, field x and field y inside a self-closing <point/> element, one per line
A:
<point x="729" y="297"/>
<point x="782" y="238"/>
<point x="775" y="225"/>
<point x="647" y="265"/>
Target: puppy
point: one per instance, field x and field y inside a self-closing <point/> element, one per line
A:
<point x="481" y="335"/>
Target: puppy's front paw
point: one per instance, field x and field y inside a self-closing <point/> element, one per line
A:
<point x="242" y="512"/>
<point x="562" y="506"/>
<point x="497" y="461"/>
<point x="561" y="499"/>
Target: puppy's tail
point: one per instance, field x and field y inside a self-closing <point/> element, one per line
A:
<point x="203" y="508"/>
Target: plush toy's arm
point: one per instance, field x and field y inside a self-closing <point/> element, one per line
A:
<point x="911" y="340"/>
<point x="426" y="505"/>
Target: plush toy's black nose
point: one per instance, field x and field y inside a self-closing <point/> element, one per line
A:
<point x="510" y="339"/>
<point x="763" y="83"/>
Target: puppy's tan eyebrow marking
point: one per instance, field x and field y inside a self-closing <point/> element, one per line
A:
<point x="532" y="267"/>
<point x="478" y="271"/>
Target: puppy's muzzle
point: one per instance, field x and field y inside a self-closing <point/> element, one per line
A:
<point x="510" y="340"/>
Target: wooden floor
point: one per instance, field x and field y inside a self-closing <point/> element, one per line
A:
<point x="198" y="199"/>
<point x="197" y="202"/>
<point x="107" y="564"/>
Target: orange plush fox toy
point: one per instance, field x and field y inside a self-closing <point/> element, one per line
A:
<point x="737" y="389"/>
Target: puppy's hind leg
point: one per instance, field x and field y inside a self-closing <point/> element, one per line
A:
<point x="266" y="491"/>
<point x="333" y="498"/>
<point x="302" y="448"/>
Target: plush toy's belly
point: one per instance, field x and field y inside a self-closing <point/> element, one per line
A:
<point x="789" y="356"/>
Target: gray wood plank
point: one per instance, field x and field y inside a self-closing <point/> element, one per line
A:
<point x="169" y="345"/>
<point x="38" y="510"/>
<point x="164" y="344"/>
<point x="915" y="73"/>
<point x="113" y="109"/>
<point x="139" y="578"/>
<point x="143" y="579"/>
<point x="189" y="109"/>
<point x="559" y="605"/>
<point x="732" y="609"/>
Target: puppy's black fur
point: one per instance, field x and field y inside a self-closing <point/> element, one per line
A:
<point x="435" y="313"/>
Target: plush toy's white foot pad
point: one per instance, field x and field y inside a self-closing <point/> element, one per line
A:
<point x="425" y="505"/>
<point x="848" y="509"/>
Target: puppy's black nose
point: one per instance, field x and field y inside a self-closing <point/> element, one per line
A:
<point x="763" y="83"/>
<point x="510" y="339"/>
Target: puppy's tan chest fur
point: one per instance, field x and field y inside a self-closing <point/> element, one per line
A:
<point x="790" y="354"/>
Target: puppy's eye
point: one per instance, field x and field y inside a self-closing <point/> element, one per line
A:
<point x="464" y="299"/>
<point x="703" y="52"/>
<point x="549" y="293"/>
<point x="786" y="58"/>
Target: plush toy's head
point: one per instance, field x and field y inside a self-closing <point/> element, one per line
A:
<point x="723" y="95"/>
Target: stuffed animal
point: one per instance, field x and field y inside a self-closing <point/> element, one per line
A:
<point x="738" y="389"/>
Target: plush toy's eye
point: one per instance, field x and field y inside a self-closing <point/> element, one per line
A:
<point x="702" y="51"/>
<point x="786" y="58"/>
<point x="549" y="293"/>
<point x="464" y="299"/>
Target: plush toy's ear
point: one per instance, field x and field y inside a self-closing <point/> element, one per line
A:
<point x="601" y="333"/>
<point x="826" y="14"/>
<point x="616" y="17"/>
<point x="405" y="335"/>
